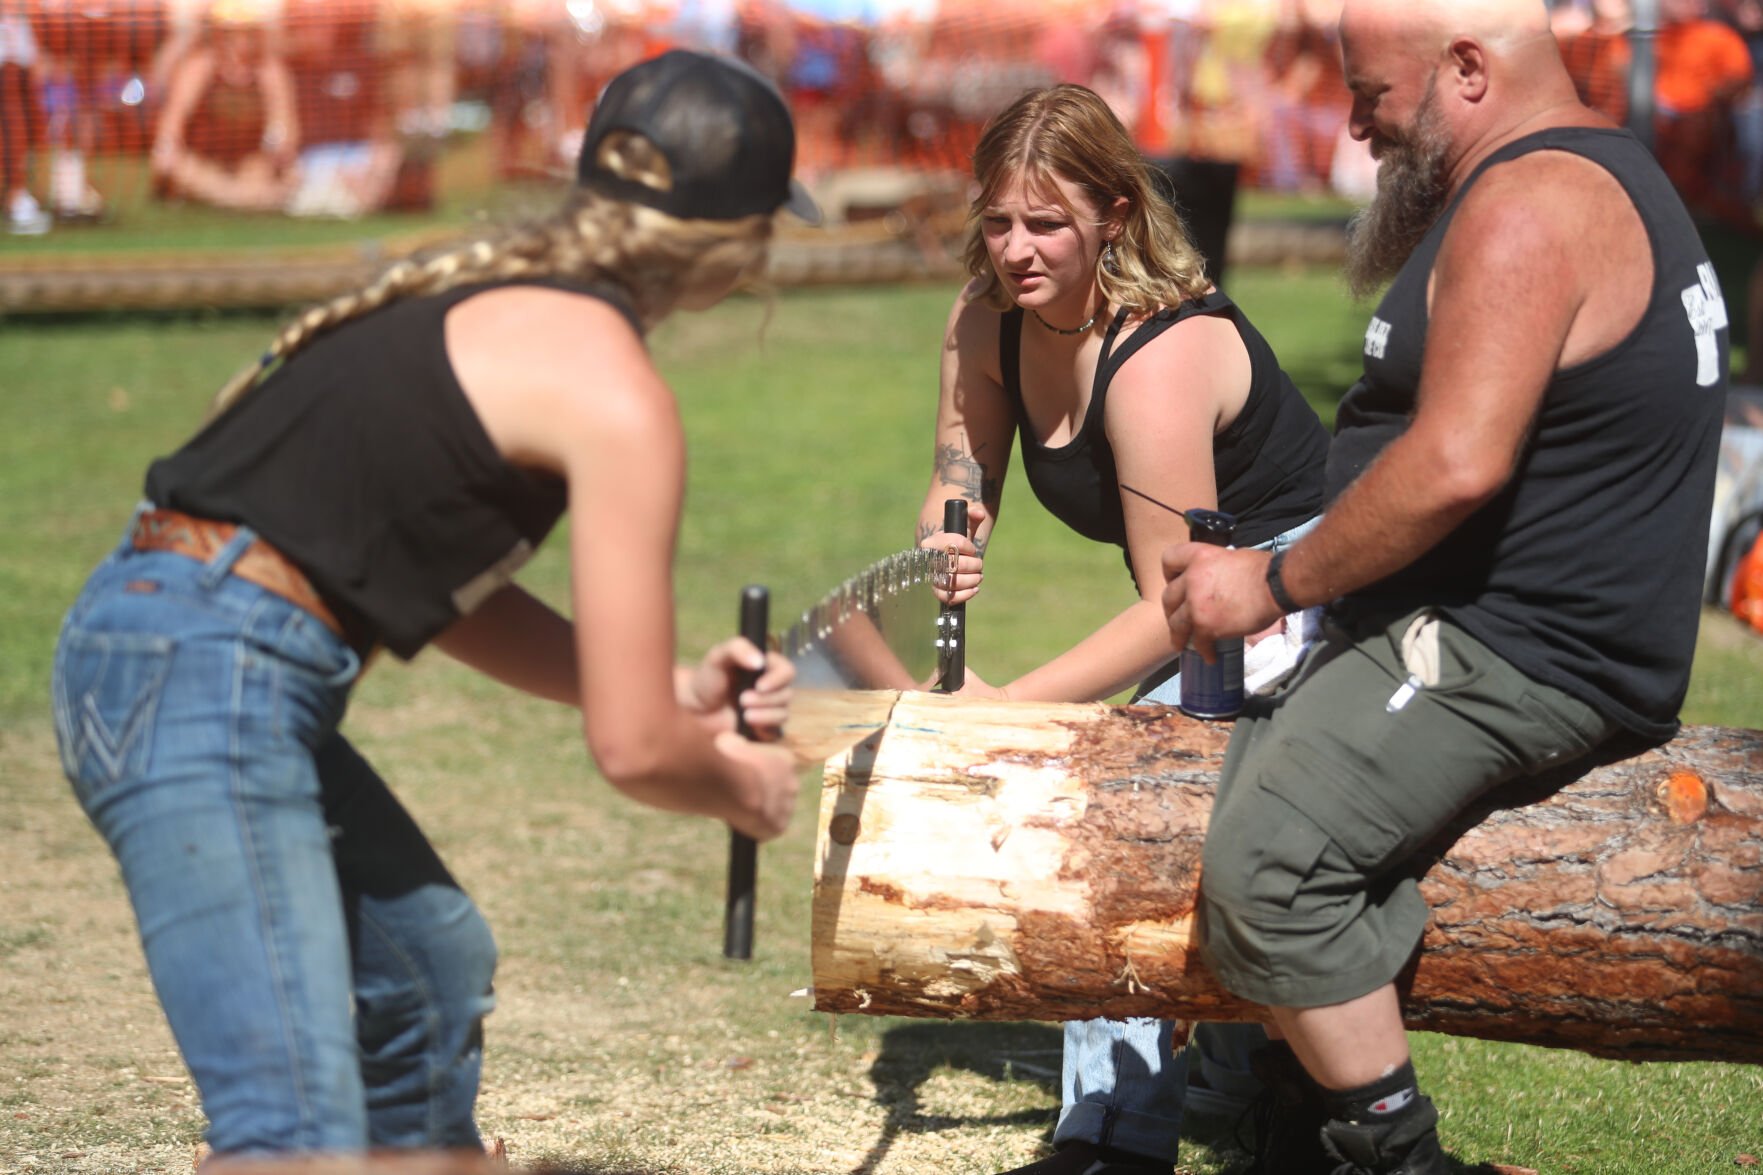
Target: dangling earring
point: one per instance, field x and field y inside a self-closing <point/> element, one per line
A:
<point x="1106" y="261"/>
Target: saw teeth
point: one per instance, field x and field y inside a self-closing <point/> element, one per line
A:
<point x="863" y="592"/>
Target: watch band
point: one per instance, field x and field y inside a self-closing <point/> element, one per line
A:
<point x="1277" y="587"/>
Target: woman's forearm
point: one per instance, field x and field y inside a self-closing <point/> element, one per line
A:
<point x="519" y="640"/>
<point x="1115" y="657"/>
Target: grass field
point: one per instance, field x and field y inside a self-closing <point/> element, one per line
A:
<point x="622" y="1041"/>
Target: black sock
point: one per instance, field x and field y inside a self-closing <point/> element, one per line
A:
<point x="1384" y="1100"/>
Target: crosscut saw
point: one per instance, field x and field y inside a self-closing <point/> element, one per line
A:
<point x="855" y="650"/>
<point x="878" y="633"/>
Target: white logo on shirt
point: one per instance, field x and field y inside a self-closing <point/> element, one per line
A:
<point x="1377" y="337"/>
<point x="1707" y="314"/>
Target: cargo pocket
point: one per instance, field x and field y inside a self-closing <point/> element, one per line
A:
<point x="1566" y="728"/>
<point x="1328" y="786"/>
<point x="106" y="690"/>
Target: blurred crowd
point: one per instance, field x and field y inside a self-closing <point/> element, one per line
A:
<point x="302" y="106"/>
<point x="1707" y="126"/>
<point x="340" y="107"/>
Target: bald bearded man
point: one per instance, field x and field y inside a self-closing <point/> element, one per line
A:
<point x="1519" y="495"/>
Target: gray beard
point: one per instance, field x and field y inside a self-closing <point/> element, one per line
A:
<point x="1411" y="191"/>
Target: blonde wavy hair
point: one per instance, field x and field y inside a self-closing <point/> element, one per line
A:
<point x="1068" y="132"/>
<point x="655" y="259"/>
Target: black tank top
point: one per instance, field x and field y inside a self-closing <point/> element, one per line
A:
<point x="1586" y="571"/>
<point x="1269" y="463"/>
<point x="362" y="461"/>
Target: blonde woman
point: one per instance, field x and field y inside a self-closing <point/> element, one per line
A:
<point x="373" y="483"/>
<point x="229" y="133"/>
<point x="1139" y="391"/>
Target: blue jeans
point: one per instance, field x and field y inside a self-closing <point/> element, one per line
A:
<point x="325" y="978"/>
<point x="1120" y="1085"/>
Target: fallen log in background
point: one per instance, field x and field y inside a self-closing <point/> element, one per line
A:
<point x="1026" y="861"/>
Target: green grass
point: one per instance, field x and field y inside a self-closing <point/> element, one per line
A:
<point x="1254" y="204"/>
<point x="137" y="223"/>
<point x="170" y="228"/>
<point x="620" y="1033"/>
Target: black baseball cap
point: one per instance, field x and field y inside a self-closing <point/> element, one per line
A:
<point x="722" y="127"/>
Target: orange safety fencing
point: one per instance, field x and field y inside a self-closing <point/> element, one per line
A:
<point x="338" y="107"/>
<point x="341" y="107"/>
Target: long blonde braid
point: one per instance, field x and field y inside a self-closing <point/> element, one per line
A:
<point x="654" y="258"/>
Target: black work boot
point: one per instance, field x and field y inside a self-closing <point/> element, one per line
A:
<point x="1288" y="1116"/>
<point x="1086" y="1158"/>
<point x="1407" y="1144"/>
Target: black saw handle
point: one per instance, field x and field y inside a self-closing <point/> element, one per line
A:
<point x="743" y="850"/>
<point x="952" y="619"/>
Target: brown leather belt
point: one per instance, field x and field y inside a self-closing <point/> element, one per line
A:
<point x="202" y="538"/>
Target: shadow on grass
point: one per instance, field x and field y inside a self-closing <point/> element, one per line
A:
<point x="911" y="1053"/>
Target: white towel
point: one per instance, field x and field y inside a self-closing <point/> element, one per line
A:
<point x="1268" y="662"/>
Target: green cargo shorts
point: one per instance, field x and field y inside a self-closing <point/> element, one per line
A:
<point x="1334" y="782"/>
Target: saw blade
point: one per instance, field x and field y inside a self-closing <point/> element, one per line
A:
<point x="858" y="647"/>
<point x="876" y="630"/>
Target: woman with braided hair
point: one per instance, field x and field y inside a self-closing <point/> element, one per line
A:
<point x="374" y="482"/>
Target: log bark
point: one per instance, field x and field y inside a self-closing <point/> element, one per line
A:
<point x="1024" y="861"/>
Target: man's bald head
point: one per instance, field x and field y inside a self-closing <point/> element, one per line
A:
<point x="1428" y="26"/>
<point x="1494" y="62"/>
<point x="1436" y="84"/>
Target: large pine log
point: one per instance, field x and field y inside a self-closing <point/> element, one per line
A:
<point x="1021" y="861"/>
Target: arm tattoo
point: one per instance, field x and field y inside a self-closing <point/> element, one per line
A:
<point x="926" y="529"/>
<point x="963" y="472"/>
